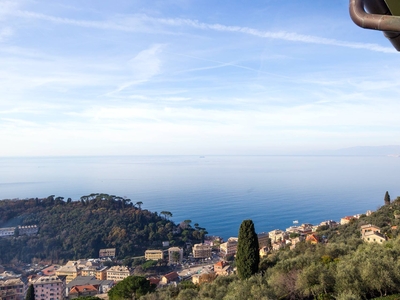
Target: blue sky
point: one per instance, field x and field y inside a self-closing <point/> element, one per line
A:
<point x="192" y="77"/>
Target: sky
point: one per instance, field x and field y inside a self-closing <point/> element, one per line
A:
<point x="185" y="77"/>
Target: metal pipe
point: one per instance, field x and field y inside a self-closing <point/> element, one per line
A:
<point x="372" y="21"/>
<point x="389" y="24"/>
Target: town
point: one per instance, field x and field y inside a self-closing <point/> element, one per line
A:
<point x="197" y="263"/>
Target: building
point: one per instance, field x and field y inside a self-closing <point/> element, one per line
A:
<point x="50" y="270"/>
<point x="12" y="289"/>
<point x="83" y="291"/>
<point x="222" y="268"/>
<point x="175" y="255"/>
<point x="264" y="251"/>
<point x="263" y="239"/>
<point x="8" y="231"/>
<point x="99" y="272"/>
<point x="28" y="230"/>
<point x="374" y="237"/>
<point x="118" y="273"/>
<point x="49" y="287"/>
<point x="346" y="220"/>
<point x="103" y="286"/>
<point x="228" y="248"/>
<point x="170" y="277"/>
<point x="71" y="271"/>
<point x="312" y="238"/>
<point x="369" y="228"/>
<point x="277" y="235"/>
<point x="201" y="251"/>
<point x="110" y="252"/>
<point x="153" y="254"/>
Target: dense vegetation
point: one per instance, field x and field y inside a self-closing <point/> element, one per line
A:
<point x="79" y="229"/>
<point x="132" y="287"/>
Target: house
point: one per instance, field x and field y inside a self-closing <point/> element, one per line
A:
<point x="369" y="228"/>
<point x="312" y="238"/>
<point x="346" y="220"/>
<point x="264" y="251"/>
<point x="103" y="286"/>
<point x="374" y="237"/>
<point x="170" y="277"/>
<point x="83" y="291"/>
<point x="222" y="268"/>
<point x="49" y="287"/>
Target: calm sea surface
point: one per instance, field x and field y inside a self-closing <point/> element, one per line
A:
<point x="218" y="192"/>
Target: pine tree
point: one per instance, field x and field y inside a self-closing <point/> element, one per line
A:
<point x="30" y="294"/>
<point x="387" y="198"/>
<point x="248" y="255"/>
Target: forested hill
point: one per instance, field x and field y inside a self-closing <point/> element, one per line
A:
<point x="78" y="229"/>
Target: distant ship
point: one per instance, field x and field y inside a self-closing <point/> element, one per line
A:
<point x="202" y="157"/>
<point x="295" y="222"/>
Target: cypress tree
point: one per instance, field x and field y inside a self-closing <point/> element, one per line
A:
<point x="248" y="255"/>
<point x="387" y="198"/>
<point x="30" y="294"/>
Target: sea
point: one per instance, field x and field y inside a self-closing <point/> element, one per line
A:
<point x="217" y="192"/>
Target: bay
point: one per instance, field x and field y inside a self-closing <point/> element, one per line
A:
<point x="218" y="192"/>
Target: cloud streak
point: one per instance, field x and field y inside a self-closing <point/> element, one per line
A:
<point x="137" y="22"/>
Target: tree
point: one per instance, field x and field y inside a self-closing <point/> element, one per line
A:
<point x="387" y="198"/>
<point x="166" y="214"/>
<point x="247" y="256"/>
<point x="30" y="294"/>
<point x="132" y="287"/>
<point x="139" y="204"/>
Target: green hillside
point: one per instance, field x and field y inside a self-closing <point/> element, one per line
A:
<point x="78" y="229"/>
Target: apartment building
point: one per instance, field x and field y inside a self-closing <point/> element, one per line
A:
<point x="70" y="271"/>
<point x="12" y="289"/>
<point x="99" y="272"/>
<point x="118" y="273"/>
<point x="201" y="251"/>
<point x="49" y="288"/>
<point x="228" y="248"/>
<point x="153" y="254"/>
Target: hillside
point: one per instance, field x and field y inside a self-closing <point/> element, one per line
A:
<point x="343" y="268"/>
<point x="78" y="229"/>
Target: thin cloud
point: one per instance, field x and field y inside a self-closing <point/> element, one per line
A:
<point x="141" y="19"/>
<point x="5" y="33"/>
